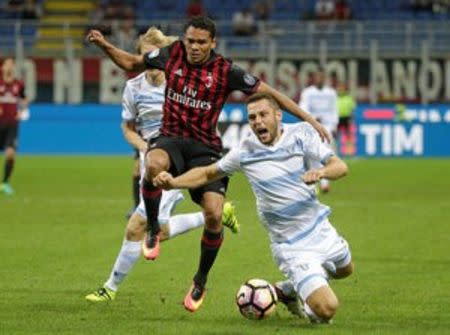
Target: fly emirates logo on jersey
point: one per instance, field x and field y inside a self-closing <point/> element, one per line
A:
<point x="188" y="98"/>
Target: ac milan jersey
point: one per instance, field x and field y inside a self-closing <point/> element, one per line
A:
<point x="195" y="94"/>
<point x="10" y="94"/>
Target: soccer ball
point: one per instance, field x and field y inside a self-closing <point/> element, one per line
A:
<point x="256" y="299"/>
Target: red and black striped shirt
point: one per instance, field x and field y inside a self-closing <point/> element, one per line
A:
<point x="10" y="95"/>
<point x="195" y="94"/>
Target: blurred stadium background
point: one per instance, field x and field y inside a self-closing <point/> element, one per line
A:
<point x="63" y="227"/>
<point x="393" y="56"/>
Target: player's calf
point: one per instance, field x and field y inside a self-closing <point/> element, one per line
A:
<point x="345" y="271"/>
<point x="135" y="228"/>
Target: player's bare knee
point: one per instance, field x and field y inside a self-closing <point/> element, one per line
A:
<point x="156" y="162"/>
<point x="155" y="167"/>
<point x="213" y="218"/>
<point x="326" y="308"/>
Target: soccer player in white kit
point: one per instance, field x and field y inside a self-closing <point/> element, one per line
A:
<point x="321" y="101"/>
<point x="275" y="158"/>
<point x="142" y="102"/>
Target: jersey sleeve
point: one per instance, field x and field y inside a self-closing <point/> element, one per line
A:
<point x="303" y="102"/>
<point x="158" y="58"/>
<point x="315" y="150"/>
<point x="230" y="163"/>
<point x="129" y="111"/>
<point x="242" y="81"/>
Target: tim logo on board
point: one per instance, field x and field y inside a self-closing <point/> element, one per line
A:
<point x="391" y="139"/>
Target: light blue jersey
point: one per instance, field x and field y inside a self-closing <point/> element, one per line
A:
<point x="143" y="103"/>
<point x="322" y="104"/>
<point x="287" y="207"/>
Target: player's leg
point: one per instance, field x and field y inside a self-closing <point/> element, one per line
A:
<point x="321" y="305"/>
<point x="9" y="139"/>
<point x="135" y="183"/>
<point x="212" y="204"/>
<point x="10" y="155"/>
<point x="288" y="296"/>
<point x="126" y="259"/>
<point x="172" y="226"/>
<point x="157" y="160"/>
<point x="320" y="301"/>
<point x="338" y="262"/>
<point x="164" y="154"/>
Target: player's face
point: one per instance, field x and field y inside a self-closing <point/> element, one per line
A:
<point x="8" y="67"/>
<point x="198" y="43"/>
<point x="264" y="120"/>
<point x="319" y="78"/>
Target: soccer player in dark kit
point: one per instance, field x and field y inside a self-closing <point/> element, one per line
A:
<point x="198" y="83"/>
<point x="13" y="108"/>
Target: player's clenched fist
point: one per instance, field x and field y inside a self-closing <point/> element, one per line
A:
<point x="312" y="176"/>
<point x="164" y="180"/>
<point x="95" y="36"/>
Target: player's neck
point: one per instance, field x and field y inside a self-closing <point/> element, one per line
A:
<point x="276" y="138"/>
<point x="155" y="80"/>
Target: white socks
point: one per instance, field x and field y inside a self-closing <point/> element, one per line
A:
<point x="128" y="256"/>
<point x="182" y="223"/>
<point x="131" y="250"/>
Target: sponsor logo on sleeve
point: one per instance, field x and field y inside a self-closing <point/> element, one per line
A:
<point x="153" y="54"/>
<point x="249" y="79"/>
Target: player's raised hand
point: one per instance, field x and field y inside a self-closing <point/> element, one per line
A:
<point x="312" y="176"/>
<point x="96" y="37"/>
<point x="164" y="180"/>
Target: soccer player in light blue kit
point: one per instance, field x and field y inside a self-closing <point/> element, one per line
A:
<point x="321" y="101"/>
<point x="142" y="102"/>
<point x="275" y="158"/>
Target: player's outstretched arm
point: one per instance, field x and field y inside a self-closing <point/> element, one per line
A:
<point x="132" y="137"/>
<point x="193" y="178"/>
<point x="287" y="104"/>
<point x="334" y="168"/>
<point x="123" y="59"/>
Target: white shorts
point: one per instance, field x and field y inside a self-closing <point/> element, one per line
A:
<point x="301" y="262"/>
<point x="169" y="199"/>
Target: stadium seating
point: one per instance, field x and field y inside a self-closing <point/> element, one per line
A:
<point x="384" y="20"/>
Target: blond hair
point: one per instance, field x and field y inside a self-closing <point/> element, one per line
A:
<point x="155" y="37"/>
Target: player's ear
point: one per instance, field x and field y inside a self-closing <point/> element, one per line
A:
<point x="214" y="43"/>
<point x="278" y="114"/>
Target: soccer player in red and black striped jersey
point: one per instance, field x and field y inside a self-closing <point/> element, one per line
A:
<point x="13" y="108"/>
<point x="198" y="83"/>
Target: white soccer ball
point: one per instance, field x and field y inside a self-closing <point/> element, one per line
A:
<point x="256" y="299"/>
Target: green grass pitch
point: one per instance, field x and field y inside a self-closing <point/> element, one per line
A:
<point x="62" y="230"/>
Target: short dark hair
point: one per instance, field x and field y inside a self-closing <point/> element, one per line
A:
<point x="263" y="96"/>
<point x="201" y="22"/>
